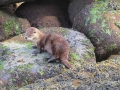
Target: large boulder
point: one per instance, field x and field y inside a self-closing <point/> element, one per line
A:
<point x="45" y="13"/>
<point x="100" y="22"/>
<point x="76" y="6"/>
<point x="20" y="67"/>
<point x="10" y="25"/>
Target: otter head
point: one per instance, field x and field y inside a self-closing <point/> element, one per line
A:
<point x="32" y="34"/>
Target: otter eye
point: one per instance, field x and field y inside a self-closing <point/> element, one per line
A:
<point x="34" y="32"/>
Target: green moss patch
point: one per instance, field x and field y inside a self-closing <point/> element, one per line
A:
<point x="97" y="11"/>
<point x="10" y="25"/>
<point x="24" y="67"/>
<point x="2" y="63"/>
<point x="74" y="56"/>
<point x="117" y="24"/>
<point x="29" y="44"/>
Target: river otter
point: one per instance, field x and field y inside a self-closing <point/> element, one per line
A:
<point x="54" y="44"/>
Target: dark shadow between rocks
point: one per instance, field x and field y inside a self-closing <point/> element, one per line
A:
<point x="45" y="13"/>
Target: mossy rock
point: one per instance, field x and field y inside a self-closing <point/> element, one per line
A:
<point x="100" y="23"/>
<point x="20" y="67"/>
<point x="10" y="25"/>
<point x="76" y="6"/>
<point x="87" y="77"/>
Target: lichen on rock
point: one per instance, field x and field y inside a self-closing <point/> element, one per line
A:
<point x="10" y="25"/>
<point x="88" y="76"/>
<point x="25" y="68"/>
<point x="98" y="22"/>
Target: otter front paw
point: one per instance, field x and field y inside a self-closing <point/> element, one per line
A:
<point x="34" y="47"/>
<point x="36" y="52"/>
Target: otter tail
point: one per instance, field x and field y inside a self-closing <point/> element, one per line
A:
<point x="66" y="63"/>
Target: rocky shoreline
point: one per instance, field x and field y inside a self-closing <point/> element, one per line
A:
<point x="101" y="76"/>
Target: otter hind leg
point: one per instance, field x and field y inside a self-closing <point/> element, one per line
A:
<point x="52" y="59"/>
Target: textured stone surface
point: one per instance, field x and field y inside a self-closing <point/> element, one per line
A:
<point x="76" y="6"/>
<point x="20" y="67"/>
<point x="10" y="25"/>
<point x="100" y="23"/>
<point x="100" y="76"/>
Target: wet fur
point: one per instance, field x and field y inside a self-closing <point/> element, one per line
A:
<point x="54" y="44"/>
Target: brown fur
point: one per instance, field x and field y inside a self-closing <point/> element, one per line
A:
<point x="54" y="44"/>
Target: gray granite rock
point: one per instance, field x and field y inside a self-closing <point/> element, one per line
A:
<point x="21" y="67"/>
